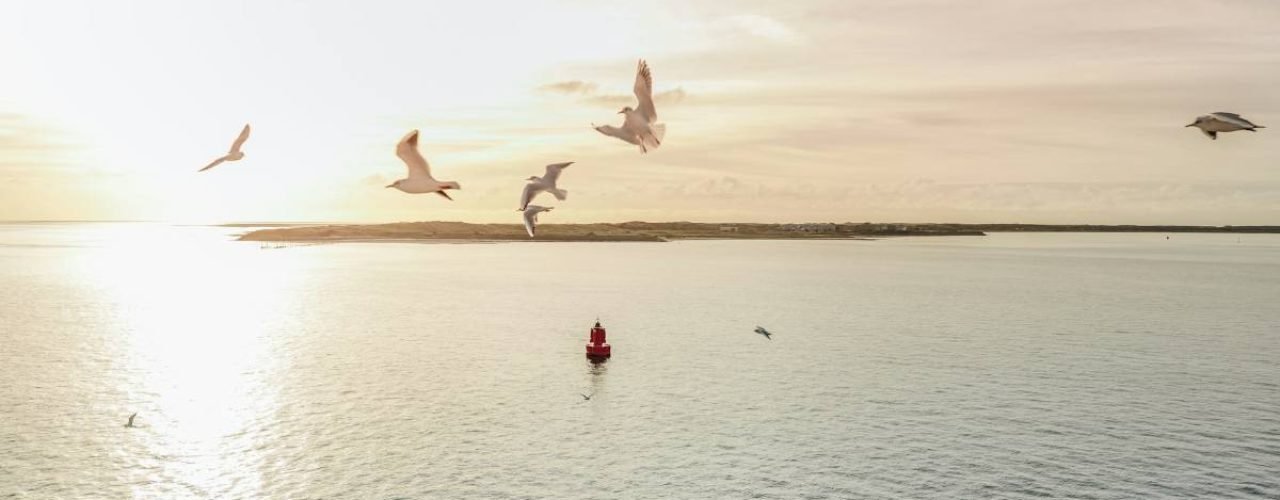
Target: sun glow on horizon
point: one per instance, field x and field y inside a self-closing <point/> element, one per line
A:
<point x="776" y="113"/>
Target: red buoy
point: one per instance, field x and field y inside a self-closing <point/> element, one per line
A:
<point x="598" y="348"/>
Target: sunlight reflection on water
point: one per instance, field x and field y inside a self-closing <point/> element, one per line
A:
<point x="1097" y="366"/>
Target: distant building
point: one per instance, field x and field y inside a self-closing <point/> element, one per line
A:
<point x="729" y="229"/>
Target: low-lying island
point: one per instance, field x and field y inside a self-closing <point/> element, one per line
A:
<point x="626" y="231"/>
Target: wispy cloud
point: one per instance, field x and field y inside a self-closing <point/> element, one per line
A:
<point x="925" y="200"/>
<point x="589" y="92"/>
<point x="570" y="87"/>
<point x="672" y="96"/>
<point x="760" y="26"/>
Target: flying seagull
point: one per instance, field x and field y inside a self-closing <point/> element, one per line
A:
<point x="545" y="183"/>
<point x="587" y="397"/>
<point x="531" y="217"/>
<point x="234" y="154"/>
<point x="130" y="422"/>
<point x="420" y="179"/>
<point x="760" y="330"/>
<point x="1222" y="121"/>
<point x="640" y="127"/>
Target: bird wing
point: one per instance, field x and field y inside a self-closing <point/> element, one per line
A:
<point x="407" y="150"/>
<point x="530" y="217"/>
<point x="644" y="91"/>
<point x="244" y="136"/>
<point x="613" y="131"/>
<point x="1234" y="119"/>
<point x="530" y="190"/>
<point x="553" y="172"/>
<point x="213" y="164"/>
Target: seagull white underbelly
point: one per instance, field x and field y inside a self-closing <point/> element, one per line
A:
<point x="418" y="186"/>
<point x="631" y="137"/>
<point x="637" y="125"/>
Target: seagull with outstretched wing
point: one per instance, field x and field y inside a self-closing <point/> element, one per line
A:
<point x="531" y="218"/>
<point x="545" y="183"/>
<point x="419" y="180"/>
<point x="234" y="153"/>
<point x="1223" y="121"/>
<point x="640" y="126"/>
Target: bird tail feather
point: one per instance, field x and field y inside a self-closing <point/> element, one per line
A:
<point x="654" y="138"/>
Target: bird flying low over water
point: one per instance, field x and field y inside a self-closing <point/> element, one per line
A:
<point x="640" y="126"/>
<point x="130" y="422"/>
<point x="531" y="218"/>
<point x="1222" y="121"/>
<point x="587" y="397"/>
<point x="420" y="179"/>
<point x="545" y="183"/>
<point x="234" y="153"/>
<point x="760" y="330"/>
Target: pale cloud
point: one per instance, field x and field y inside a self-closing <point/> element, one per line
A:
<point x="376" y="180"/>
<point x="588" y="92"/>
<point x="673" y="96"/>
<point x="925" y="200"/>
<point x="570" y="87"/>
<point x="762" y="27"/>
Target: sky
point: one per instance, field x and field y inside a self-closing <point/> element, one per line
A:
<point x="1050" y="111"/>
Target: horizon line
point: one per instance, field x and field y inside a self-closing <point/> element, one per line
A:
<point x="370" y="223"/>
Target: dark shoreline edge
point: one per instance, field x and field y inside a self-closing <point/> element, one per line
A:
<point x="667" y="231"/>
<point x="622" y="232"/>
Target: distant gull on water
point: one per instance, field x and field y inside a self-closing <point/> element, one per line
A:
<point x="760" y="330"/>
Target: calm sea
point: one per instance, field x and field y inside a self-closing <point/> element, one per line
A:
<point x="1007" y="366"/>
